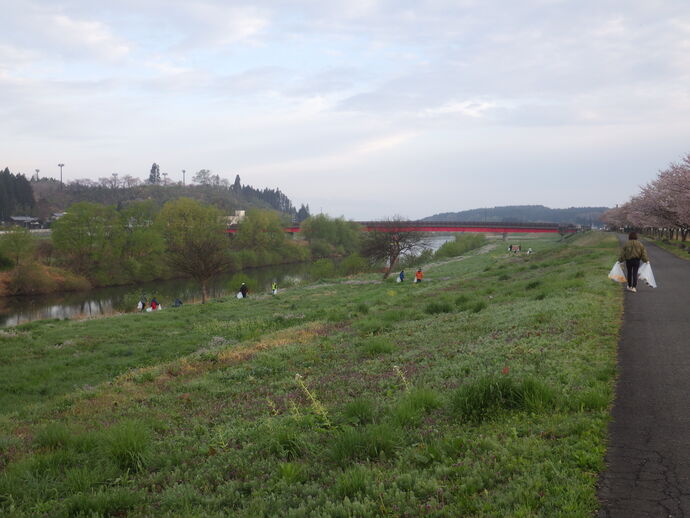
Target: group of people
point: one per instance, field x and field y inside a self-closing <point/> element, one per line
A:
<point x="516" y="249"/>
<point x="154" y="305"/>
<point x="418" y="276"/>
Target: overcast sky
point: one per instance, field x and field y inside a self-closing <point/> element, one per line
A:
<point x="360" y="108"/>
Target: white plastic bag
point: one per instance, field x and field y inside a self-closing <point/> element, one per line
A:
<point x="398" y="279"/>
<point x="617" y="274"/>
<point x="239" y="295"/>
<point x="645" y="274"/>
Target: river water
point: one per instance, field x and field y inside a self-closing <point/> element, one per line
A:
<point x="106" y="301"/>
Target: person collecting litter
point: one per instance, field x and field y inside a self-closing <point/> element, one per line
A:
<point x="274" y="288"/>
<point x="418" y="276"/>
<point x="244" y="290"/>
<point x="401" y="275"/>
<point x="632" y="252"/>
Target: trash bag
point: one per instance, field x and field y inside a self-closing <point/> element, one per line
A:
<point x="617" y="274"/>
<point x="645" y="274"/>
<point x="239" y="295"/>
<point x="398" y="279"/>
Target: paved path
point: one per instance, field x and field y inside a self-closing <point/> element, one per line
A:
<point x="648" y="460"/>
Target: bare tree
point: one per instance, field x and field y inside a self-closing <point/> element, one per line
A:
<point x="392" y="239"/>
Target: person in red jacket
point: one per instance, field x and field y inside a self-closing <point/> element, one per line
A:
<point x="418" y="276"/>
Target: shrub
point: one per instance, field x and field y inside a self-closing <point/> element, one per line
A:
<point x="352" y="264"/>
<point x="30" y="278"/>
<point x="322" y="269"/>
<point x="488" y="395"/>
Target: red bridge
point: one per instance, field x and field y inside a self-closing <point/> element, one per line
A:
<point x="452" y="226"/>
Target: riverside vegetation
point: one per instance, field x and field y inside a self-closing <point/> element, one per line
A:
<point x="483" y="391"/>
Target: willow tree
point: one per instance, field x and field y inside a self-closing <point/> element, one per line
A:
<point x="392" y="239"/>
<point x="195" y="238"/>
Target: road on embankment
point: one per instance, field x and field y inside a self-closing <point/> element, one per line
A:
<point x="648" y="459"/>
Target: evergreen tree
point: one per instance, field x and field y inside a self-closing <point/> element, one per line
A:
<point x="155" y="175"/>
<point x="237" y="186"/>
<point x="302" y="213"/>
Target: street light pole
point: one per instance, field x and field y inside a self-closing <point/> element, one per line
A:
<point x="61" y="166"/>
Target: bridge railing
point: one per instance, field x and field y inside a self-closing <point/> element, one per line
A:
<point x="452" y="226"/>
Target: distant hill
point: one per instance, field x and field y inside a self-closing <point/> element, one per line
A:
<point x="526" y="213"/>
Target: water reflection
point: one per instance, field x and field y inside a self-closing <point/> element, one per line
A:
<point x="104" y="301"/>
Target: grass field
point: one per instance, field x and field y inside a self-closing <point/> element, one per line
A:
<point x="483" y="391"/>
<point x="673" y="246"/>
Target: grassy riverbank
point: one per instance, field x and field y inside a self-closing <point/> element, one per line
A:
<point x="675" y="246"/>
<point x="483" y="391"/>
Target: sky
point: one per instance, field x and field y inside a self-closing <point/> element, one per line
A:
<point x="365" y="109"/>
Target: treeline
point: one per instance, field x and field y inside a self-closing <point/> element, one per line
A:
<point x="662" y="208"/>
<point x="526" y="213"/>
<point x="101" y="245"/>
<point x="104" y="245"/>
<point x="16" y="195"/>
<point x="43" y="197"/>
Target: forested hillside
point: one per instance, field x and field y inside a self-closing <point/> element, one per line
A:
<point x="41" y="198"/>
<point x="526" y="213"/>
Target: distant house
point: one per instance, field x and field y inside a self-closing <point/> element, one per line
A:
<point x="25" y="221"/>
<point x="237" y="218"/>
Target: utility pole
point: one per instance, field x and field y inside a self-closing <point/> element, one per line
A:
<point x="183" y="172"/>
<point x="61" y="166"/>
<point x="165" y="178"/>
<point x="37" y="171"/>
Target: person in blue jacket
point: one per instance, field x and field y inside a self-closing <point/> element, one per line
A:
<point x="401" y="275"/>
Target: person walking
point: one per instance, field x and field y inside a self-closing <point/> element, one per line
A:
<point x="632" y="252"/>
<point x="401" y="276"/>
<point x="418" y="276"/>
<point x="274" y="288"/>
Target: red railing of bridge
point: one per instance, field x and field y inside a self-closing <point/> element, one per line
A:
<point x="433" y="226"/>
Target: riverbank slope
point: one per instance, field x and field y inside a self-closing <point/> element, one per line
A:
<point x="483" y="390"/>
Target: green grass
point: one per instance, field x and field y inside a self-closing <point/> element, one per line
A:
<point x="481" y="392"/>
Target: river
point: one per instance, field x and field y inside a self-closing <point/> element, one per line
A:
<point x="107" y="301"/>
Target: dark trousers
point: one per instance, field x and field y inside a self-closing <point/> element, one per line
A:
<point x="632" y="266"/>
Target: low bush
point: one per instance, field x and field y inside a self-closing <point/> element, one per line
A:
<point x="30" y="279"/>
<point x="322" y="269"/>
